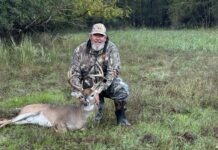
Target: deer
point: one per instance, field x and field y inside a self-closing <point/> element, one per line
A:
<point x="61" y="117"/>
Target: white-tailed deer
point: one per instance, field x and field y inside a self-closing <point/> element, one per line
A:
<point x="61" y="117"/>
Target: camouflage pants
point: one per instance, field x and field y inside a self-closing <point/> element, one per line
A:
<point x="117" y="91"/>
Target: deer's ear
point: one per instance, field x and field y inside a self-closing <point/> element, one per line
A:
<point x="93" y="89"/>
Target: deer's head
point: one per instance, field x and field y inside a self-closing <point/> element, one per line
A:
<point x="88" y="97"/>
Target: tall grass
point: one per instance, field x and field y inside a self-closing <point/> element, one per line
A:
<point x="173" y="40"/>
<point x="4" y="54"/>
<point x="172" y="76"/>
<point x="47" y="48"/>
<point x="26" y="53"/>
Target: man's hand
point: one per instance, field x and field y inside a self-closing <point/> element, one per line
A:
<point x="96" y="95"/>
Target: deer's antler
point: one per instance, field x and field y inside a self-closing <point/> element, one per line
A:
<point x="92" y="76"/>
<point x="69" y="74"/>
<point x="101" y="75"/>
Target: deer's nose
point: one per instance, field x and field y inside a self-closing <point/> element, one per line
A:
<point x="86" y="102"/>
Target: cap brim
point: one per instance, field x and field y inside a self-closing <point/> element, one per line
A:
<point x="98" y="33"/>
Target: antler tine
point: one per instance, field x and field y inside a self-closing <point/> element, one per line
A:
<point x="96" y="75"/>
<point x="77" y="87"/>
<point x="101" y="71"/>
<point x="70" y="82"/>
<point x="101" y="75"/>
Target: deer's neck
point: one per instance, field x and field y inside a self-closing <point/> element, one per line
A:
<point x="87" y="110"/>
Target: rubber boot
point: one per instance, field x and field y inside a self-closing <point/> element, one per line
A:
<point x="120" y="113"/>
<point x="99" y="114"/>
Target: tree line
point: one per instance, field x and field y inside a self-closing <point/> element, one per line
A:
<point x="18" y="17"/>
<point x="172" y="13"/>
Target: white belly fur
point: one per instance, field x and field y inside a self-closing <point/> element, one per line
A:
<point x="32" y="118"/>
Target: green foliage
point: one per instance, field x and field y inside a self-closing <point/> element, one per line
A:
<point x="20" y="17"/>
<point x="98" y="8"/>
<point x="24" y="16"/>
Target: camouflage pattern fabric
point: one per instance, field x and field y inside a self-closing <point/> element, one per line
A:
<point x="84" y="63"/>
<point x="117" y="91"/>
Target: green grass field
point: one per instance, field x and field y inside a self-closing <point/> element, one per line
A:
<point x="173" y="81"/>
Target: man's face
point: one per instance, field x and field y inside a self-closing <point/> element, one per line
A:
<point x="97" y="41"/>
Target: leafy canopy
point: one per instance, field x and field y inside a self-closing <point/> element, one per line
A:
<point x="21" y="16"/>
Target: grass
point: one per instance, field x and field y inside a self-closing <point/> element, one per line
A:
<point x="172" y="75"/>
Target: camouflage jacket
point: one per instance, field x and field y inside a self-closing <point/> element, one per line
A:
<point x="83" y="62"/>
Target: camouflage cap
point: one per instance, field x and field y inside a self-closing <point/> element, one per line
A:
<point x="98" y="28"/>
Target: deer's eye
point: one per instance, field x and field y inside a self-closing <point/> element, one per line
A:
<point x="81" y="97"/>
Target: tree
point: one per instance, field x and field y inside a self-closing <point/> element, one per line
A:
<point x="193" y="12"/>
<point x="147" y="12"/>
<point x="24" y="16"/>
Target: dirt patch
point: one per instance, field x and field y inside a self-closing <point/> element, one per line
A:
<point x="149" y="138"/>
<point x="209" y="102"/>
<point x="172" y="93"/>
<point x="179" y="110"/>
<point x="215" y="132"/>
<point x="91" y="139"/>
<point x="207" y="131"/>
<point x="186" y="137"/>
<point x="158" y="83"/>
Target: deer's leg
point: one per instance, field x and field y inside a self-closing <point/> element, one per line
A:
<point x="24" y="118"/>
<point x="60" y="127"/>
<point x="83" y="129"/>
<point x="32" y="118"/>
<point x="4" y="123"/>
<point x="20" y="119"/>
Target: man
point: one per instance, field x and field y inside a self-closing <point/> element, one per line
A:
<point x="100" y="51"/>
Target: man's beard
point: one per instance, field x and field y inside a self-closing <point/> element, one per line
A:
<point x="98" y="46"/>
